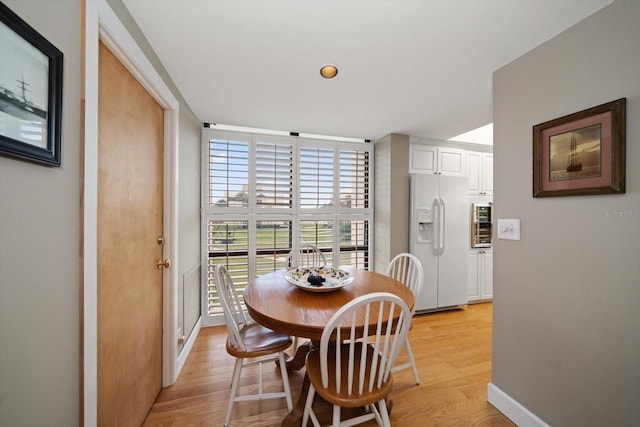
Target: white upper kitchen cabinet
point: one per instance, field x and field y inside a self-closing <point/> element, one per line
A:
<point x="434" y="160"/>
<point x="480" y="173"/>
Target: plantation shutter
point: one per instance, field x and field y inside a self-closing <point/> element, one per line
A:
<point x="316" y="177"/>
<point x="274" y="175"/>
<point x="264" y="195"/>
<point x="354" y="179"/>
<point x="228" y="170"/>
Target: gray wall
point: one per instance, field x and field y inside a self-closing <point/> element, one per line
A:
<point x="391" y="205"/>
<point x="39" y="247"/>
<point x="39" y="242"/>
<point x="566" y="339"/>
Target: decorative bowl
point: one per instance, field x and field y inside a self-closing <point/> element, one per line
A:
<point x="318" y="279"/>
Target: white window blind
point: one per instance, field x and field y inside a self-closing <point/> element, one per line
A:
<point x="354" y="242"/>
<point x="318" y="232"/>
<point x="228" y="165"/>
<point x="274" y="175"/>
<point x="316" y="177"/>
<point x="264" y="195"/>
<point x="228" y="244"/>
<point x="273" y="242"/>
<point x="354" y="179"/>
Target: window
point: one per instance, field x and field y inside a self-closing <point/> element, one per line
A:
<point x="316" y="176"/>
<point x="264" y="195"/>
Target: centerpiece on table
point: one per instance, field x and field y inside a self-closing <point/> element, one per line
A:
<point x="318" y="279"/>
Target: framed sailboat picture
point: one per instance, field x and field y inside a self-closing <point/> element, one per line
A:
<point x="30" y="92"/>
<point x="582" y="153"/>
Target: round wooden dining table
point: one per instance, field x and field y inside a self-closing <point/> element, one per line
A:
<point x="279" y="305"/>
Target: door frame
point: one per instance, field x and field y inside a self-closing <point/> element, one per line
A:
<point x="102" y="24"/>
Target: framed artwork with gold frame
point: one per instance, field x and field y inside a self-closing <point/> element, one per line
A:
<point x="582" y="153"/>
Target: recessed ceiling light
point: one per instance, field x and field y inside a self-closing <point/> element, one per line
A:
<point x="328" y="71"/>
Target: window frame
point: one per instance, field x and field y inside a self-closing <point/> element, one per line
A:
<point x="295" y="213"/>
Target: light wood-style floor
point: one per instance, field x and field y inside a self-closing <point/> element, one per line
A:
<point x="452" y="350"/>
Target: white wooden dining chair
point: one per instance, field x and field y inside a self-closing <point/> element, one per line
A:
<point x="249" y="340"/>
<point x="357" y="371"/>
<point x="307" y="255"/>
<point x="407" y="269"/>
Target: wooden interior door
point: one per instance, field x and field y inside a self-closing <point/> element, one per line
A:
<point x="130" y="200"/>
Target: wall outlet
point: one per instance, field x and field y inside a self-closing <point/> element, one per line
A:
<point x="509" y="229"/>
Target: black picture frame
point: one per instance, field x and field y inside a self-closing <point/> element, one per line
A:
<point x="30" y="92"/>
<point x="582" y="153"/>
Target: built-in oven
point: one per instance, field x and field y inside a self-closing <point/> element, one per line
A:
<point x="481" y="224"/>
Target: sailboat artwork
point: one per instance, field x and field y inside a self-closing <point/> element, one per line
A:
<point x="30" y="92"/>
<point x="582" y="153"/>
<point x="573" y="164"/>
<point x="18" y="105"/>
<point x="23" y="89"/>
<point x="576" y="154"/>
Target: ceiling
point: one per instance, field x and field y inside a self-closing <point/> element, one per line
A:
<point x="420" y="68"/>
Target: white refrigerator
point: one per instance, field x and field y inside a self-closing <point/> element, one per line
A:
<point x="439" y="237"/>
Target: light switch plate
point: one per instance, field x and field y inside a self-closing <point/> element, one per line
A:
<point x="509" y="229"/>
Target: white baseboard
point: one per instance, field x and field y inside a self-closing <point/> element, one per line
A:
<point x="512" y="409"/>
<point x="182" y="357"/>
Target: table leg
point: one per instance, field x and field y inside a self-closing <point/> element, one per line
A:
<point x="294" y="418"/>
<point x="296" y="362"/>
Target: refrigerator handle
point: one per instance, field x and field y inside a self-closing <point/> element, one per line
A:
<point x="441" y="224"/>
<point x="436" y="226"/>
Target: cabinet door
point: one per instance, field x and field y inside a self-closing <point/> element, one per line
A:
<point x="480" y="275"/>
<point x="480" y="172"/>
<point x="424" y="159"/>
<point x="451" y="161"/>
<point x="474" y="160"/>
<point x="487" y="173"/>
<point x="487" y="282"/>
<point x="473" y="282"/>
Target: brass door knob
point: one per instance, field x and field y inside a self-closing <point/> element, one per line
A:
<point x="166" y="263"/>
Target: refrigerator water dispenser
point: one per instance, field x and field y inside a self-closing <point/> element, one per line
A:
<point x="424" y="232"/>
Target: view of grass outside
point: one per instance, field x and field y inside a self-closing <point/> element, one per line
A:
<point x="229" y="244"/>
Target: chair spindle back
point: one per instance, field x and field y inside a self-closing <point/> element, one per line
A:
<point x="407" y="269"/>
<point x="234" y="316"/>
<point x="380" y="347"/>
